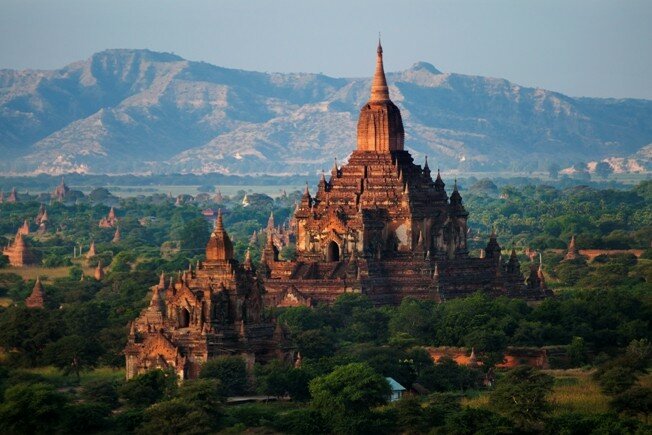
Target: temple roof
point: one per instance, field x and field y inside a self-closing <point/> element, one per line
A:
<point x="219" y="245"/>
<point x="379" y="89"/>
<point x="380" y="126"/>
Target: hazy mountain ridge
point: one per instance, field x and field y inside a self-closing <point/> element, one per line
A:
<point x="139" y="111"/>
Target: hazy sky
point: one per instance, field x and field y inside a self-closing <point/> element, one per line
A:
<point x="582" y="48"/>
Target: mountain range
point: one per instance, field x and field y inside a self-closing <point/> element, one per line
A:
<point x="139" y="111"/>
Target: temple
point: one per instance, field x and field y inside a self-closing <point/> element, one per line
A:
<point x="282" y="235"/>
<point x="380" y="225"/>
<point x="18" y="253"/>
<point x="110" y="221"/>
<point x="215" y="308"/>
<point x="572" y="253"/>
<point x="37" y="298"/>
<point x="60" y="192"/>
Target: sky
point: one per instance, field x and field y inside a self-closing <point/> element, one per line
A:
<point x="594" y="48"/>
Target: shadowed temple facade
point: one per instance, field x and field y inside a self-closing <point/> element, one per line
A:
<point x="380" y="225"/>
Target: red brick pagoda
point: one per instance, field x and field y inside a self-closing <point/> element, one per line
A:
<point x="213" y="309"/>
<point x="381" y="226"/>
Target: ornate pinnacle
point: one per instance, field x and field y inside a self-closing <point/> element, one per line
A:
<point x="379" y="89"/>
<point x="219" y="224"/>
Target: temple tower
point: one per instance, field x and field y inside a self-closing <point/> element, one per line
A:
<point x="219" y="245"/>
<point x="37" y="298"/>
<point x="380" y="126"/>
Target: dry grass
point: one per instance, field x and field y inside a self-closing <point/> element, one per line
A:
<point x="5" y="302"/>
<point x="46" y="273"/>
<point x="479" y="401"/>
<point x="55" y="376"/>
<point x="575" y="390"/>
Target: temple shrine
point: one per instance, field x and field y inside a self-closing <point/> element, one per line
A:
<point x="381" y="226"/>
<point x="215" y="308"/>
<point x="18" y="253"/>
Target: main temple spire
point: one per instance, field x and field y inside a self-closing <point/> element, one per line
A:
<point x="380" y="126"/>
<point x="379" y="89"/>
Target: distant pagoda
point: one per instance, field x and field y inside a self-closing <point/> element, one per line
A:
<point x="60" y="192"/>
<point x="18" y="253"/>
<point x="37" y="298"/>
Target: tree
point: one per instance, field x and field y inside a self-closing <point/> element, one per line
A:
<point x="83" y="418"/>
<point x="73" y="353"/>
<point x="447" y="375"/>
<point x="616" y="380"/>
<point x="347" y="395"/>
<point x="29" y="331"/>
<point x="231" y="371"/>
<point x="148" y="388"/>
<point x="633" y="402"/>
<point x="75" y="273"/>
<point x="522" y="396"/>
<point x="32" y="408"/>
<point x="490" y="342"/>
<point x="194" y="235"/>
<point x="413" y="317"/>
<point x="577" y="352"/>
<point x="316" y="343"/>
<point x="101" y="391"/>
<point x="278" y="379"/>
<point x="176" y="416"/>
<point x="205" y="394"/>
<point x="301" y="421"/>
<point x="472" y="421"/>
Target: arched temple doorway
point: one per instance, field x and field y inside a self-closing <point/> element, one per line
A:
<point x="333" y="252"/>
<point x="184" y="318"/>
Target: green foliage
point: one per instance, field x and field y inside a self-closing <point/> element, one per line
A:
<point x="636" y="401"/>
<point x="278" y="379"/>
<point x="471" y="421"/>
<point x="521" y="395"/>
<point x="347" y="395"/>
<point x="102" y="391"/>
<point x="447" y="375"/>
<point x="315" y="343"/>
<point x="577" y="352"/>
<point x="32" y="408"/>
<point x="73" y="353"/>
<point x="84" y="418"/>
<point x="148" y="388"/>
<point x="387" y="361"/>
<point x="28" y="332"/>
<point x="301" y="421"/>
<point x="418" y="415"/>
<point x="194" y="235"/>
<point x="231" y="371"/>
<point x="574" y="423"/>
<point x="176" y="416"/>
<point x="616" y="380"/>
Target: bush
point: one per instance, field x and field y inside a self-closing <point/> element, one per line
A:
<point x="300" y="421"/>
<point x="345" y="396"/>
<point x="102" y="391"/>
<point x="148" y="388"/>
<point x="231" y="371"/>
<point x="521" y="395"/>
